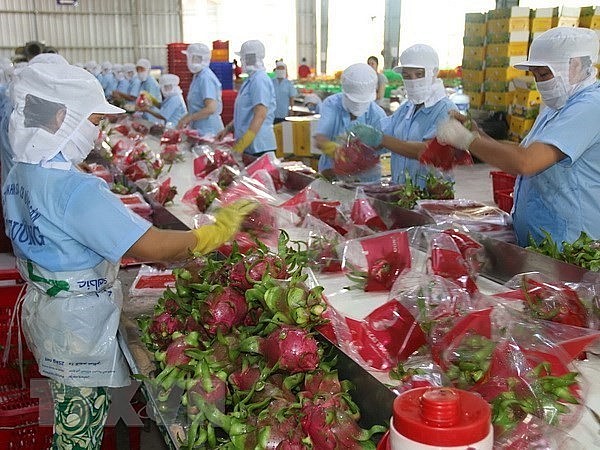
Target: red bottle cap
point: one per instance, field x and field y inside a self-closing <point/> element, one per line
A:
<point x="444" y="417"/>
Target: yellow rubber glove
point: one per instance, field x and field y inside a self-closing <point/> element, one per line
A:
<point x="328" y="148"/>
<point x="227" y="222"/>
<point x="243" y="142"/>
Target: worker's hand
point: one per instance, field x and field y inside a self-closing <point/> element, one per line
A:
<point x="329" y="148"/>
<point x="243" y="142"/>
<point x="452" y="132"/>
<point x="367" y="134"/>
<point x="184" y="121"/>
<point x="227" y="223"/>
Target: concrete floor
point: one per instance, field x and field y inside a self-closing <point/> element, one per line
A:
<point x="472" y="182"/>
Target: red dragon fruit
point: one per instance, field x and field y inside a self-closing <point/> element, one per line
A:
<point x="170" y="137"/>
<point x="206" y="195"/>
<point x="261" y="222"/>
<point x="292" y="348"/>
<point x="162" y="327"/>
<point x="244" y="378"/>
<point x="354" y="157"/>
<point x="223" y="309"/>
<point x="252" y="269"/>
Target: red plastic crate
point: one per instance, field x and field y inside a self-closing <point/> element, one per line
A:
<point x="504" y="199"/>
<point x="501" y="181"/>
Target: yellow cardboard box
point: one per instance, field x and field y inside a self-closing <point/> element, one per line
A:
<point x="474" y="53"/>
<point x="540" y="24"/>
<point x="508" y="25"/>
<point x="520" y="126"/>
<point x="476" y="99"/>
<point x="474" y="64"/>
<point x="565" y="22"/>
<point x="473" y="76"/>
<point x="502" y="74"/>
<point x="475" y="29"/>
<point x="526" y="98"/>
<point x="510" y="49"/>
<point x="498" y="98"/>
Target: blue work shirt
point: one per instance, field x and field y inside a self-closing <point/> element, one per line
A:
<point x="563" y="199"/>
<point x="123" y="85"/>
<point x="6" y="153"/>
<point x="110" y="84"/>
<point x="414" y="125"/>
<point x="256" y="90"/>
<point x="334" y="124"/>
<point x="173" y="109"/>
<point x="284" y="90"/>
<point x="134" y="87"/>
<point x="65" y="220"/>
<point x="205" y="85"/>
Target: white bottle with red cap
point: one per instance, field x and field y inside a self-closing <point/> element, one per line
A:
<point x="441" y="419"/>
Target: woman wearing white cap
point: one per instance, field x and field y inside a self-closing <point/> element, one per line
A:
<point x="284" y="92"/>
<point x="172" y="108"/>
<point x="204" y="97"/>
<point x="68" y="233"/>
<point x="404" y="133"/>
<point x="355" y="104"/>
<point x="558" y="162"/>
<point x="254" y="107"/>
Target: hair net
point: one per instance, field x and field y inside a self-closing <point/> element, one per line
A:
<point x="106" y="65"/>
<point x="280" y="65"/>
<point x="252" y="54"/>
<point x="128" y="67"/>
<point x="197" y="49"/>
<point x="90" y="66"/>
<point x="143" y="62"/>
<point x="556" y="47"/>
<point x="168" y="79"/>
<point x="51" y="105"/>
<point x="420" y="56"/>
<point x="359" y="83"/>
<point x="117" y="68"/>
<point x="198" y="57"/>
<point x="48" y="58"/>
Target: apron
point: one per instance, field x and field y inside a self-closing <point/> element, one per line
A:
<point x="70" y="321"/>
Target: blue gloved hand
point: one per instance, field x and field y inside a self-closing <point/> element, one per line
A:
<point x="366" y="134"/>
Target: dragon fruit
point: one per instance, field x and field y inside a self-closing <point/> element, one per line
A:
<point x="292" y="348"/>
<point x="223" y="309"/>
<point x="161" y="328"/>
<point x="252" y="269"/>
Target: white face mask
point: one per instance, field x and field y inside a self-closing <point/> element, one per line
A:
<point x="280" y="73"/>
<point x="168" y="91"/>
<point x="418" y="90"/>
<point x="119" y="76"/>
<point x="553" y="92"/>
<point x="143" y="76"/>
<point x="194" y="68"/>
<point x="354" y="108"/>
<point x="81" y="142"/>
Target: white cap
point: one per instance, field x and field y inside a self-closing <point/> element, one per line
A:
<point x="106" y="65"/>
<point x="359" y="82"/>
<point x="197" y="49"/>
<point x="559" y="45"/>
<point x="48" y="58"/>
<point x="168" y="79"/>
<point x="39" y="92"/>
<point x="128" y="67"/>
<point x="117" y="67"/>
<point x="280" y="64"/>
<point x="143" y="62"/>
<point x="252" y="47"/>
<point x="90" y="65"/>
<point x="419" y="56"/>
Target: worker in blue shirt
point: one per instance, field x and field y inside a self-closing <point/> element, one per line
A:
<point x="339" y="112"/>
<point x="69" y="233"/>
<point x="558" y="163"/>
<point x="285" y="92"/>
<point x="254" y="107"/>
<point x="204" y="98"/>
<point x="172" y="108"/>
<point x="406" y="131"/>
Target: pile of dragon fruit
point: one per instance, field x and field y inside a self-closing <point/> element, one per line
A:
<point x="239" y="358"/>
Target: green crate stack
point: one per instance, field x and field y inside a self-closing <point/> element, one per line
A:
<point x="473" y="62"/>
